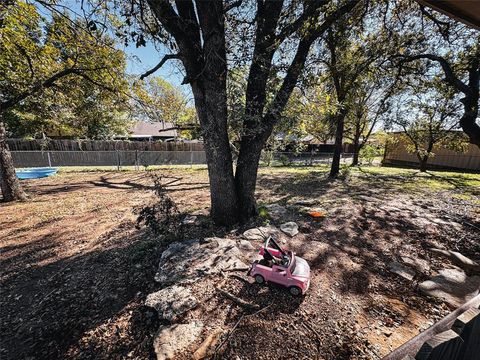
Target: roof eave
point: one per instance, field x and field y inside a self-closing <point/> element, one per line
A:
<point x="455" y="10"/>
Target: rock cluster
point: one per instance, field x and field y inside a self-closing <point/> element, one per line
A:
<point x="172" y="339"/>
<point x="189" y="260"/>
<point x="181" y="263"/>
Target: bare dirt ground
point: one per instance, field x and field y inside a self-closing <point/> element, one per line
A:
<point x="75" y="270"/>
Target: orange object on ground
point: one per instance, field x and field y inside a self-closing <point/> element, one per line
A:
<point x="317" y="214"/>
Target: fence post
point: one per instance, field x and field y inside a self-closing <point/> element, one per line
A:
<point x="137" y="167"/>
<point x="191" y="155"/>
<point x="49" y="159"/>
<point x="118" y="160"/>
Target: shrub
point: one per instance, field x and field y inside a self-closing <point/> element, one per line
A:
<point x="368" y="153"/>
<point x="161" y="216"/>
<point x="285" y="160"/>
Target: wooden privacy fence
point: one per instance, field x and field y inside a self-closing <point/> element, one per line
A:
<point x="101" y="145"/>
<point x="456" y="337"/>
<point x="397" y="154"/>
<point x="116" y="158"/>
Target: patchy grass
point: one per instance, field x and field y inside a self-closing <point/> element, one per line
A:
<point x="86" y="169"/>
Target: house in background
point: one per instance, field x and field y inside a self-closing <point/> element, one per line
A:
<point x="396" y="154"/>
<point x="152" y="131"/>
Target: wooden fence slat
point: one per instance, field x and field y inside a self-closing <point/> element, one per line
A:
<point x="444" y="346"/>
<point x="99" y="145"/>
<point x="467" y="326"/>
<point x="463" y="323"/>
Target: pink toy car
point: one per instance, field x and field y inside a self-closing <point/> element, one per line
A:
<point x="281" y="267"/>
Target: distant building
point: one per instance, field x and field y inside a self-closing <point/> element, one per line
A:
<point x="150" y="131"/>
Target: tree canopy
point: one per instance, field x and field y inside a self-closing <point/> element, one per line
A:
<point x="75" y="73"/>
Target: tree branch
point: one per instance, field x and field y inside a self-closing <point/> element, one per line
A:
<point x="232" y="5"/>
<point x="159" y="65"/>
<point x="37" y="87"/>
<point x="298" y="62"/>
<point x="50" y="82"/>
<point x="450" y="76"/>
<point x="310" y="11"/>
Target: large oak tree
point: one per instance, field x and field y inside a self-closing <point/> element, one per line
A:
<point x="284" y="33"/>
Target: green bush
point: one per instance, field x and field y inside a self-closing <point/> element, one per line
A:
<point x="368" y="153"/>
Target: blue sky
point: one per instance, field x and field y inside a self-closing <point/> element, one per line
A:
<point x="142" y="59"/>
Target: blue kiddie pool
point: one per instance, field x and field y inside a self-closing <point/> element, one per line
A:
<point x="35" y="173"/>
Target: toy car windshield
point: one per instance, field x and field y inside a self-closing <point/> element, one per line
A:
<point x="271" y="251"/>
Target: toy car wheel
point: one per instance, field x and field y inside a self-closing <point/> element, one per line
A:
<point x="295" y="290"/>
<point x="259" y="279"/>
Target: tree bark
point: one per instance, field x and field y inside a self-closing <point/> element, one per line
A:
<point x="9" y="183"/>
<point x="210" y="94"/>
<point x="423" y="164"/>
<point x="223" y="197"/>
<point x="469" y="117"/>
<point x="356" y="151"/>
<point x="246" y="179"/>
<point x="337" y="152"/>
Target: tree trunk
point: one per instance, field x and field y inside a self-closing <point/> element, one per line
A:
<point x="356" y="151"/>
<point x="206" y="70"/>
<point x="468" y="120"/>
<point x="246" y="176"/>
<point x="337" y="152"/>
<point x="423" y="164"/>
<point x="210" y="103"/>
<point x="9" y="183"/>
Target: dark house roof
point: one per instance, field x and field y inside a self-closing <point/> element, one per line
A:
<point x="145" y="129"/>
<point x="466" y="11"/>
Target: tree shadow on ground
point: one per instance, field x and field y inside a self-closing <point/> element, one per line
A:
<point x="370" y="224"/>
<point x="171" y="184"/>
<point x="46" y="309"/>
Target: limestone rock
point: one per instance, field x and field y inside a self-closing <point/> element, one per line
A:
<point x="171" y="301"/>
<point x="173" y="339"/>
<point x="260" y="233"/>
<point x="305" y="202"/>
<point x="189" y="220"/>
<point x="289" y="228"/>
<point x="245" y="245"/>
<point x="460" y="260"/>
<point x="187" y="261"/>
<point x="276" y="211"/>
<point x="402" y="270"/>
<point x="418" y="264"/>
<point x="452" y="286"/>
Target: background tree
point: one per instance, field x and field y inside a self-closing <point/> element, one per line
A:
<point x="370" y="104"/>
<point x="430" y="42"/>
<point x="348" y="58"/>
<point x="316" y="113"/>
<point x="156" y="100"/>
<point x="428" y="120"/>
<point x="44" y="54"/>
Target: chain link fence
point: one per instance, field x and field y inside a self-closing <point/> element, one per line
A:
<point x="303" y="158"/>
